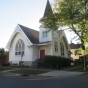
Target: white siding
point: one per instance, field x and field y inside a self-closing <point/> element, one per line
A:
<point x="47" y="49"/>
<point x="48" y="38"/>
<point x="27" y="54"/>
<point x="35" y="53"/>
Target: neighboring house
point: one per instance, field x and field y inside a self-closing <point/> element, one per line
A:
<point x="28" y="45"/>
<point x="73" y="48"/>
<point x="5" y="61"/>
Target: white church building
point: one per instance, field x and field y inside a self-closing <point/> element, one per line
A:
<point x="27" y="44"/>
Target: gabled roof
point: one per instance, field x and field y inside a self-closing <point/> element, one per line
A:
<point x="74" y="46"/>
<point x="32" y="35"/>
<point x="47" y="11"/>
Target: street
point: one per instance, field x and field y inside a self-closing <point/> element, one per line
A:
<point x="13" y="81"/>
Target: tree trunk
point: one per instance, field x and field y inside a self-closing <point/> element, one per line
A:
<point x="84" y="56"/>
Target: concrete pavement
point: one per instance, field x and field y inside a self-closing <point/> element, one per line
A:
<point x="61" y="73"/>
<point x="53" y="73"/>
<point x="10" y="70"/>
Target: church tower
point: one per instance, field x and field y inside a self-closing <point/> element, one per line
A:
<point x="44" y="35"/>
<point x="48" y="10"/>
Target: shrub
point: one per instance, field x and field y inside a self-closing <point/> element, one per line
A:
<point x="53" y="62"/>
<point x="8" y="64"/>
<point x="66" y="62"/>
<point x="39" y="62"/>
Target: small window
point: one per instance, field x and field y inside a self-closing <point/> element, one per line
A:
<point x="55" y="34"/>
<point x="56" y="46"/>
<point x="22" y="52"/>
<point x="45" y="34"/>
<point x="15" y="53"/>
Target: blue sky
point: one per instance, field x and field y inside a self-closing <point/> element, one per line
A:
<point x="24" y="12"/>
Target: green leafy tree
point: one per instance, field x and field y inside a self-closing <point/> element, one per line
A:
<point x="72" y="14"/>
<point x="87" y="50"/>
<point x="79" y="51"/>
<point x="2" y="53"/>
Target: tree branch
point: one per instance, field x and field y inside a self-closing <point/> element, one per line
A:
<point x="73" y="28"/>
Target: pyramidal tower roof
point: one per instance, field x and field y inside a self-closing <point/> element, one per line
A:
<point x="47" y="11"/>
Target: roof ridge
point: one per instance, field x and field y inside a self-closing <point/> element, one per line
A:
<point x="27" y="27"/>
<point x="32" y="35"/>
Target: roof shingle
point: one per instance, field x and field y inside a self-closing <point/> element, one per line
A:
<point x="48" y="10"/>
<point x="33" y="35"/>
<point x="74" y="46"/>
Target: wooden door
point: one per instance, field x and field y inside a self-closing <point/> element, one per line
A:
<point x="42" y="53"/>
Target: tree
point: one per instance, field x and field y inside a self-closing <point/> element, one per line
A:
<point x="87" y="50"/>
<point x="72" y="14"/>
<point x="79" y="51"/>
<point x="2" y="53"/>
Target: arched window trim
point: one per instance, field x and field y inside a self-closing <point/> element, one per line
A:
<point x="56" y="46"/>
<point x="19" y="48"/>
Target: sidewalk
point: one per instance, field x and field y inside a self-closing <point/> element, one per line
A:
<point x="63" y="72"/>
<point x="53" y="73"/>
<point x="57" y="73"/>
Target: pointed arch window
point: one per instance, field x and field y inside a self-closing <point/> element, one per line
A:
<point x="56" y="46"/>
<point x="19" y="48"/>
<point x="62" y="49"/>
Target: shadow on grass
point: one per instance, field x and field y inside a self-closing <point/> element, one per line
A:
<point x="81" y="69"/>
<point x="28" y="72"/>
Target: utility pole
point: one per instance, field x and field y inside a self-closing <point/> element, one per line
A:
<point x="21" y="59"/>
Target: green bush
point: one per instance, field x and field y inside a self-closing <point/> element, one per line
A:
<point x="53" y="62"/>
<point x="39" y="62"/>
<point x="8" y="64"/>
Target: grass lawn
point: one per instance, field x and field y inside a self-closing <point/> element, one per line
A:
<point x="3" y="69"/>
<point x="28" y="72"/>
<point x="81" y="69"/>
<point x="21" y="71"/>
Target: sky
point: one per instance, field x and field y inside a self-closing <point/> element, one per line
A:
<point x="24" y="12"/>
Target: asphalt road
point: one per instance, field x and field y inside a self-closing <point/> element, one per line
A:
<point x="13" y="81"/>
